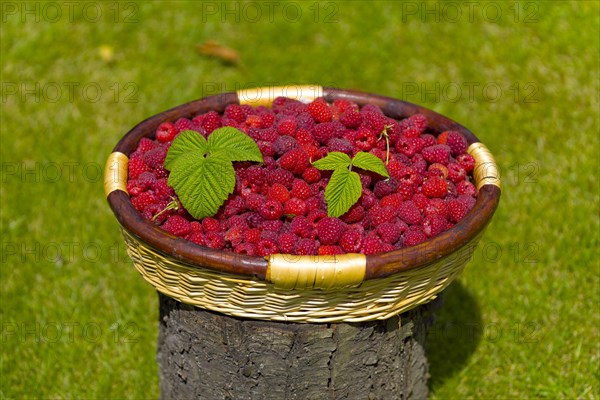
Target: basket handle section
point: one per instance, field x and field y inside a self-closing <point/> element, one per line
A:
<point x="486" y="170"/>
<point x="287" y="271"/>
<point x="264" y="96"/>
<point x="115" y="173"/>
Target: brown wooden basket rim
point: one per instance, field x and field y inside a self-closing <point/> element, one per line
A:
<point x="377" y="266"/>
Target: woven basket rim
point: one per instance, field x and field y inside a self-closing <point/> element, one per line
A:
<point x="377" y="265"/>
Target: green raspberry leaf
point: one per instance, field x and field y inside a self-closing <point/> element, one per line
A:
<point x="186" y="141"/>
<point x="342" y="191"/>
<point x="370" y="162"/>
<point x="333" y="161"/>
<point x="202" y="183"/>
<point x="234" y="145"/>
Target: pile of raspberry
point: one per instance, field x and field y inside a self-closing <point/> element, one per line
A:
<point x="279" y="207"/>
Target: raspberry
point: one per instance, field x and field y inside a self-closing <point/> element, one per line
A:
<point x="295" y="206"/>
<point x="355" y="214"/>
<point x="341" y="145"/>
<point x="266" y="247"/>
<point x="256" y="175"/>
<point x="320" y="111"/>
<point x="287" y="126"/>
<point x="407" y="176"/>
<point x="367" y="199"/>
<point x="254" y="219"/>
<point x="305" y="121"/>
<point x="442" y="137"/>
<point x="295" y="160"/>
<point x="324" y="132"/>
<point x="379" y="215"/>
<point x="267" y="134"/>
<point x="438" y="170"/>
<point x="279" y="175"/>
<point x="196" y="226"/>
<point x="459" y="207"/>
<point x="364" y="139"/>
<point x="211" y="121"/>
<point x="456" y="172"/>
<point x="394" y="200"/>
<point x="215" y="240"/>
<point x="255" y="200"/>
<point x="413" y="126"/>
<point x="283" y="144"/>
<point x="435" y="187"/>
<point x="329" y="230"/>
<point x="307" y="247"/>
<point x="267" y="149"/>
<point x="144" y="200"/>
<point x="434" y="224"/>
<point x="419" y="164"/>
<point x="429" y="140"/>
<point x="313" y="203"/>
<point x="303" y="136"/>
<point x="301" y="227"/>
<point x="279" y="193"/>
<point x="252" y="235"/>
<point x="409" y="213"/>
<point x="389" y="232"/>
<point x="456" y="141"/>
<point x="372" y="245"/>
<point x="155" y="157"/>
<point x="235" y="112"/>
<point x="166" y="132"/>
<point x="177" y="225"/>
<point x="342" y="105"/>
<point x="136" y="167"/>
<point x="351" y="118"/>
<point x="421" y="201"/>
<point x="197" y="238"/>
<point x="437" y="206"/>
<point x="287" y="242"/>
<point x="146" y="180"/>
<point x="374" y="120"/>
<point x="385" y="187"/>
<point x="210" y="224"/>
<point x="300" y="189"/>
<point x="440" y="153"/>
<point x="466" y="161"/>
<point x="315" y="216"/>
<point x="466" y="187"/>
<point x="413" y="237"/>
<point x="184" y="124"/>
<point x="351" y="241"/>
<point x="311" y="175"/>
<point x="235" y="236"/>
<point x="271" y="210"/>
<point x="407" y="146"/>
<point x="246" y="248"/>
<point x="145" y="145"/>
<point x="328" y="250"/>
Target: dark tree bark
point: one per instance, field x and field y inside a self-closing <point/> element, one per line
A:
<point x="207" y="355"/>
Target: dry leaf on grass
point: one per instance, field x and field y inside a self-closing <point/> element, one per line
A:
<point x="213" y="49"/>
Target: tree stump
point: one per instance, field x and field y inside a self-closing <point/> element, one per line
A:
<point x="207" y="355"/>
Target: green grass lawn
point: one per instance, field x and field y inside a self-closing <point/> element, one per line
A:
<point x="522" y="322"/>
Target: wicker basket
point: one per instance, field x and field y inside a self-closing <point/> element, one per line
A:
<point x="347" y="288"/>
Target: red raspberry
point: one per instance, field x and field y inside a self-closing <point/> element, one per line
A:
<point x="268" y="135"/>
<point x="184" y="124"/>
<point x="457" y="142"/>
<point x="300" y="189"/>
<point x="374" y="120"/>
<point x="440" y="153"/>
<point x="280" y="175"/>
<point x="211" y="121"/>
<point x="428" y="140"/>
<point x="215" y="240"/>
<point x="456" y="172"/>
<point x="287" y="242"/>
<point x="246" y="248"/>
<point x="389" y="232"/>
<point x="196" y="226"/>
<point x="466" y="161"/>
<point x="466" y="187"/>
<point x="413" y="237"/>
<point x="364" y="139"/>
<point x="155" y="157"/>
<point x="372" y="245"/>
<point x="351" y="241"/>
<point x="351" y="118"/>
<point x="177" y="225"/>
<point x="301" y="227"/>
<point x="407" y="146"/>
<point x="409" y="213"/>
<point x="279" y="193"/>
<point x="267" y="149"/>
<point x="295" y="206"/>
<point x="307" y="247"/>
<point x="442" y="137"/>
<point x="419" y="164"/>
<point x="303" y="136"/>
<point x="255" y="175"/>
<point x="379" y="215"/>
<point x="394" y="200"/>
<point x="421" y="201"/>
<point x="283" y="144"/>
<point x="166" y="132"/>
<point x="144" y="200"/>
<point x="146" y="180"/>
<point x="413" y="126"/>
<point x="329" y="230"/>
<point x="320" y="111"/>
<point x="437" y="206"/>
<point x="287" y="126"/>
<point x="435" y="187"/>
<point x="270" y="228"/>
<point x="434" y="224"/>
<point x="235" y="112"/>
<point x="314" y="203"/>
<point x="459" y="207"/>
<point x="211" y="225"/>
<point x="266" y="115"/>
<point x="271" y="210"/>
<point x="311" y="175"/>
<point x="385" y="187"/>
<point x="234" y="235"/>
<point x="367" y="199"/>
<point x="136" y="167"/>
<point x="254" y="121"/>
<point x="145" y="145"/>
<point x="343" y="105"/>
<point x="437" y="169"/>
<point x="197" y="237"/>
<point x="315" y="216"/>
<point x="254" y="201"/>
<point x="252" y="235"/>
<point x="295" y="160"/>
<point x="329" y="250"/>
<point x="266" y="247"/>
<point x="355" y="214"/>
<point x="324" y="132"/>
<point x="341" y="145"/>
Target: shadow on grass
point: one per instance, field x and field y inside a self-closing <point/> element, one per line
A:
<point x="454" y="336"/>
